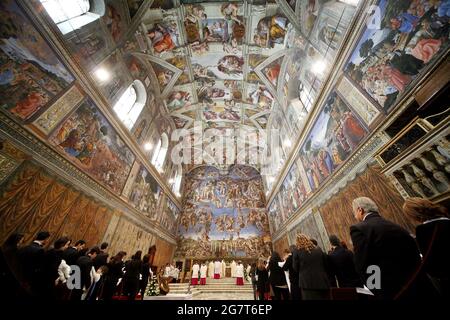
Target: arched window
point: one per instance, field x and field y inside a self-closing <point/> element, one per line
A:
<point x="71" y="15"/>
<point x="129" y="106"/>
<point x="177" y="181"/>
<point x="159" y="156"/>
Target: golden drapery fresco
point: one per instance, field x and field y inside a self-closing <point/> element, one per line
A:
<point x="32" y="200"/>
<point x="127" y="236"/>
<point x="337" y="212"/>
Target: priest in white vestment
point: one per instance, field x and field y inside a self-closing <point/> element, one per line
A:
<point x="211" y="270"/>
<point x="217" y="269"/>
<point x="240" y="274"/>
<point x="203" y="274"/>
<point x="233" y="269"/>
<point x="195" y="273"/>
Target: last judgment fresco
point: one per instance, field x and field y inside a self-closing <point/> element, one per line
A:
<point x="224" y="214"/>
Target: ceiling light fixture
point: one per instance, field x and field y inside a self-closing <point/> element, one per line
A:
<point x="171" y="181"/>
<point x="287" y="143"/>
<point x="318" y="67"/>
<point x="102" y="74"/>
<point x="148" y="146"/>
<point x="350" y="2"/>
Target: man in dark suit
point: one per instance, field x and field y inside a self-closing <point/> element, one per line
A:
<point x="342" y="265"/>
<point x="293" y="275"/>
<point x="72" y="254"/>
<point x="85" y="263"/>
<point x="379" y="242"/>
<point x="102" y="258"/>
<point x="32" y="258"/>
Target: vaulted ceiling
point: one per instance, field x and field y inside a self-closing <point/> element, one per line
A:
<point x="241" y="64"/>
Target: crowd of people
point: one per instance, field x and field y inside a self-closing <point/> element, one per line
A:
<point x="409" y="267"/>
<point x="70" y="271"/>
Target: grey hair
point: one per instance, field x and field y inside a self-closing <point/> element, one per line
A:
<point x="365" y="203"/>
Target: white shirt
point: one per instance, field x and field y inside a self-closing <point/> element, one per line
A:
<point x="233" y="269"/>
<point x="195" y="270"/>
<point x="217" y="267"/>
<point x="239" y="271"/>
<point x="203" y="271"/>
<point x="63" y="271"/>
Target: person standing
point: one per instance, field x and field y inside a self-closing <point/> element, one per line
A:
<point x="433" y="238"/>
<point x="217" y="269"/>
<point x="262" y="281"/>
<point x="239" y="274"/>
<point x="387" y="246"/>
<point x="203" y="274"/>
<point x="342" y="266"/>
<point x="145" y="274"/>
<point x="72" y="254"/>
<point x="131" y="279"/>
<point x="293" y="275"/>
<point x="32" y="259"/>
<point x="11" y="276"/>
<point x="85" y="263"/>
<point x="310" y="263"/>
<point x="277" y="278"/>
<point x="195" y="274"/>
<point x="233" y="269"/>
<point x="102" y="258"/>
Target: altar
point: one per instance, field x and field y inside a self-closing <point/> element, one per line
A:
<point x="228" y="271"/>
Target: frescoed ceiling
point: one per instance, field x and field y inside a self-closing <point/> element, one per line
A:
<point x="227" y="64"/>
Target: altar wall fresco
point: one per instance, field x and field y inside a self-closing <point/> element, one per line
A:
<point x="223" y="214"/>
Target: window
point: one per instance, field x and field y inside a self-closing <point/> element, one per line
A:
<point x="70" y="15"/>
<point x="177" y="181"/>
<point x="130" y="105"/>
<point x="159" y="156"/>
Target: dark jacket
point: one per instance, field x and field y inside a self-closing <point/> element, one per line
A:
<point x="342" y="267"/>
<point x="312" y="269"/>
<point x="85" y="263"/>
<point x="433" y="239"/>
<point x="71" y="255"/>
<point x="384" y="244"/>
<point x="263" y="280"/>
<point x="289" y="266"/>
<point x="277" y="277"/>
<point x="32" y="258"/>
<point x="100" y="260"/>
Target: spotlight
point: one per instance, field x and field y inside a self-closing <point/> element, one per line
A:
<point x="318" y="67"/>
<point x="148" y="146"/>
<point x="102" y="74"/>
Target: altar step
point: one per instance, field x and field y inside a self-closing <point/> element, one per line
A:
<point x="212" y="287"/>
